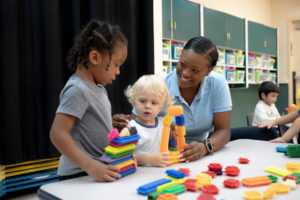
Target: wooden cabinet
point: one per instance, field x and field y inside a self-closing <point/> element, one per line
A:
<point x="262" y="39"/>
<point x="178" y="17"/>
<point x="224" y="30"/>
<point x="239" y="64"/>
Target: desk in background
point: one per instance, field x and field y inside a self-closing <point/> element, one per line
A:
<point x="260" y="154"/>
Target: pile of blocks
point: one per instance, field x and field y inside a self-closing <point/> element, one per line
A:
<point x="120" y="149"/>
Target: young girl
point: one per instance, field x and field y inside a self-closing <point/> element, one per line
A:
<point x="83" y="117"/>
<point x="149" y="95"/>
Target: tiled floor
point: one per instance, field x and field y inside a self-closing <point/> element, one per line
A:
<point x="27" y="194"/>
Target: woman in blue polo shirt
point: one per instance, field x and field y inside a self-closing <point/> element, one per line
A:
<point x="205" y="98"/>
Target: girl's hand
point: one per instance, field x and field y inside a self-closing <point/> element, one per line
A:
<point x="158" y="159"/>
<point x="278" y="140"/>
<point x="193" y="151"/>
<point x="268" y="124"/>
<point x="102" y="172"/>
<point x="120" y="121"/>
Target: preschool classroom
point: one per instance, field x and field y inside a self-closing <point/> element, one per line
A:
<point x="256" y="41"/>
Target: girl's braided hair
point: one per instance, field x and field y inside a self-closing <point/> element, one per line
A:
<point x="96" y="35"/>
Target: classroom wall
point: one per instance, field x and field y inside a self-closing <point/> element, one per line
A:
<point x="283" y="12"/>
<point x="254" y="10"/>
<point x="244" y="101"/>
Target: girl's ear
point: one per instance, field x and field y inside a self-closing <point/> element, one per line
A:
<point x="95" y="57"/>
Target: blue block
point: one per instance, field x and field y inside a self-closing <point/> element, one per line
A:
<point x="127" y="139"/>
<point x="127" y="172"/>
<point x="280" y="149"/>
<point x="152" y="186"/>
<point x="110" y="161"/>
<point x="174" y="173"/>
<point x="179" y="120"/>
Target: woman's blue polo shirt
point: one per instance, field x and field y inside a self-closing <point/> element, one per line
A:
<point x="213" y="97"/>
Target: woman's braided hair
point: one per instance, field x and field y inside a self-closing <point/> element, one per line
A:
<point x="96" y="35"/>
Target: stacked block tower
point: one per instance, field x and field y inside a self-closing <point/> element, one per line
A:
<point x="168" y="139"/>
<point x="120" y="149"/>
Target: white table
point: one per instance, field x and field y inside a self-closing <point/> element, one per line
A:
<point x="260" y="154"/>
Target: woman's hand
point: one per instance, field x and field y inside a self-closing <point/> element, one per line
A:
<point x="268" y="124"/>
<point x="278" y="140"/>
<point x="120" y="121"/>
<point x="193" y="151"/>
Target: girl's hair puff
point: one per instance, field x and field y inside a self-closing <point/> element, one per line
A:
<point x="96" y="35"/>
<point x="153" y="84"/>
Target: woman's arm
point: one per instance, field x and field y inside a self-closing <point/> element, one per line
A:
<point x="285" y="119"/>
<point x="290" y="133"/>
<point x="221" y="133"/>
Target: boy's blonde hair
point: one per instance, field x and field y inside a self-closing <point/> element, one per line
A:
<point x="153" y="84"/>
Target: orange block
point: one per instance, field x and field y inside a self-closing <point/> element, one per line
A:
<point x="180" y="142"/>
<point x="167" y="120"/>
<point x="175" y="110"/>
<point x="164" y="143"/>
<point x="256" y="181"/>
<point x="180" y="130"/>
<point x="167" y="196"/>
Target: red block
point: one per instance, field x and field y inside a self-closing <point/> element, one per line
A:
<point x="231" y="183"/>
<point x="244" y="160"/>
<point x="232" y="171"/>
<point x="215" y="166"/>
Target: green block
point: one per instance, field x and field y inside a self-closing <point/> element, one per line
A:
<point x="175" y="189"/>
<point x="297" y="175"/>
<point x="293" y="150"/>
<point x="173" y="148"/>
<point x="153" y="195"/>
<point x="273" y="178"/>
<point x="119" y="155"/>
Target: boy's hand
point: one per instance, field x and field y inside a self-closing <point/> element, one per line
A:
<point x="102" y="172"/>
<point x="120" y="121"/>
<point x="278" y="140"/>
<point x="158" y="159"/>
<point x="268" y="124"/>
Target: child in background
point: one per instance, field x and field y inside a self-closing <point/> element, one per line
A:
<point x="265" y="109"/>
<point x="293" y="117"/>
<point x="83" y="117"/>
<point x="149" y="95"/>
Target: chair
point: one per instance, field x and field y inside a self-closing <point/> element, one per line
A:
<point x="249" y="118"/>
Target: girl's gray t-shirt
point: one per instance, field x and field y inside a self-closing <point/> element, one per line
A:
<point x="90" y="105"/>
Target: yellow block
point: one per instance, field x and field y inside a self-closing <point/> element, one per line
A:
<point x="278" y="171"/>
<point x="203" y="179"/>
<point x="180" y="130"/>
<point x="117" y="150"/>
<point x="161" y="187"/>
<point x="269" y="193"/>
<point x="178" y="180"/>
<point x="126" y="163"/>
<point x="253" y="195"/>
<point x="280" y="188"/>
<point x="175" y="110"/>
<point x="167" y="120"/>
<point x="293" y="166"/>
<point x="164" y="142"/>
